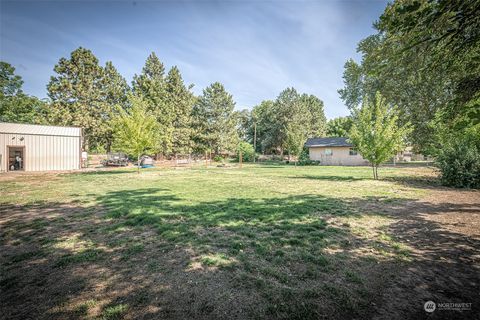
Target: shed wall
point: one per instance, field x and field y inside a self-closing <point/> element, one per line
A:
<point x="43" y="152"/>
<point x="340" y="156"/>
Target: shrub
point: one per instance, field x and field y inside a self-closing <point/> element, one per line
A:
<point x="459" y="161"/>
<point x="304" y="159"/>
<point x="247" y="152"/>
<point x="218" y="158"/>
<point x="308" y="162"/>
<point x="304" y="155"/>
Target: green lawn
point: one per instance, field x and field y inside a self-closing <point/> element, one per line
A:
<point x="265" y="241"/>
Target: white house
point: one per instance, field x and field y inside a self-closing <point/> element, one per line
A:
<point x="27" y="147"/>
<point x="334" y="152"/>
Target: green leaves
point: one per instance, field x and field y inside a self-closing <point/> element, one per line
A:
<point x="285" y="124"/>
<point x="10" y="83"/>
<point x="424" y="59"/>
<point x="247" y="151"/>
<point x="170" y="101"/>
<point x="135" y="129"/>
<point x="352" y="93"/>
<point x="459" y="159"/>
<point x="150" y="84"/>
<point x="339" y="127"/>
<point x="181" y="99"/>
<point x="16" y="106"/>
<point x="215" y="121"/>
<point x="375" y="132"/>
<point x="83" y="94"/>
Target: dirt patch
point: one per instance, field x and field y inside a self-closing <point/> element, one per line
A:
<point x="66" y="261"/>
<point x="443" y="229"/>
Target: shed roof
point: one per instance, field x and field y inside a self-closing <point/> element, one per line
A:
<point x="328" y="142"/>
<point x="22" y="128"/>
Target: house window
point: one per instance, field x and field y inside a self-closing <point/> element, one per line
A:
<point x="328" y="152"/>
<point x="353" y="152"/>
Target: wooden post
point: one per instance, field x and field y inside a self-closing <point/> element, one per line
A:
<point x="254" y="141"/>
<point x="240" y="159"/>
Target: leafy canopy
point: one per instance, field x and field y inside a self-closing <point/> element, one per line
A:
<point x="83" y="94"/>
<point x="15" y="105"/>
<point x="247" y="151"/>
<point x="424" y="58"/>
<point x="135" y="128"/>
<point x="375" y="131"/>
<point x="283" y="123"/>
<point x="339" y="127"/>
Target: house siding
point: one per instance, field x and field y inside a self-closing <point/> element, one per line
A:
<point x="340" y="156"/>
<point x="43" y="151"/>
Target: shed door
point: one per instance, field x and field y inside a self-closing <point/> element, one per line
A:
<point x="16" y="158"/>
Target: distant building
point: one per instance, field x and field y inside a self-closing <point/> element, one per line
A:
<point x="408" y="155"/>
<point x="334" y="152"/>
<point x="27" y="147"/>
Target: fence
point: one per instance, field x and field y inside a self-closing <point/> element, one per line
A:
<point x="95" y="160"/>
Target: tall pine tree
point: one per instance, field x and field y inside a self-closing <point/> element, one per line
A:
<point x="151" y="85"/>
<point x="115" y="91"/>
<point x="215" y="122"/>
<point x="181" y="100"/>
<point x="115" y="86"/>
<point x="77" y="96"/>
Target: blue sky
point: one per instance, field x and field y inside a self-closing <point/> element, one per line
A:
<point x="255" y="48"/>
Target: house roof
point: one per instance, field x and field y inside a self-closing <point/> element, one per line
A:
<point x="21" y="128"/>
<point x="328" y="142"/>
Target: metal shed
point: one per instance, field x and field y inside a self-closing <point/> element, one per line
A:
<point x="27" y="147"/>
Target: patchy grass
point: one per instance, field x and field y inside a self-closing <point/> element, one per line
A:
<point x="267" y="241"/>
<point x="114" y="312"/>
<point x="216" y="260"/>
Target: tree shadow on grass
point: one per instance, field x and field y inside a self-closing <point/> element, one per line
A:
<point x="423" y="182"/>
<point x="108" y="171"/>
<point x="151" y="254"/>
<point x="419" y="182"/>
<point x="329" y="178"/>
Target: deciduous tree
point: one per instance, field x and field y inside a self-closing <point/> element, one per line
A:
<point x="135" y="129"/>
<point x="375" y="131"/>
<point x="15" y="105"/>
<point x="316" y="116"/>
<point x="339" y="127"/>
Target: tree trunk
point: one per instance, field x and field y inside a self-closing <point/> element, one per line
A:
<point x="373" y="169"/>
<point x="254" y="141"/>
<point x="138" y="164"/>
<point x="376" y="172"/>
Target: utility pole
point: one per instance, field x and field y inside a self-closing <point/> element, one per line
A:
<point x="254" y="140"/>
